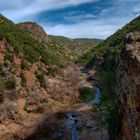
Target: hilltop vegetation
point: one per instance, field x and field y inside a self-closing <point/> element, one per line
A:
<point x="110" y="47"/>
<point x="23" y="44"/>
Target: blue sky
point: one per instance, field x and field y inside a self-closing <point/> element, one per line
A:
<point x="73" y="18"/>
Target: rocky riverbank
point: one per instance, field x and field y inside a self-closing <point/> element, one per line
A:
<point x="82" y="121"/>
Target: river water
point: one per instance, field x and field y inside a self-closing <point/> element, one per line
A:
<point x="71" y="119"/>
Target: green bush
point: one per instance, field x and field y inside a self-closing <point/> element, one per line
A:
<point x="107" y="102"/>
<point x="86" y="94"/>
<point x="41" y="79"/>
<point x="7" y="84"/>
<point x="2" y="85"/>
<point x="6" y="64"/>
<point x="9" y="57"/>
<point x="23" y="80"/>
<point x="44" y="101"/>
<point x="10" y="84"/>
<point x="26" y="109"/>
<point x="51" y="71"/>
<point x="1" y="67"/>
<point x="24" y="64"/>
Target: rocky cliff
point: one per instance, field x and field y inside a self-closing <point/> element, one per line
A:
<point x="118" y="59"/>
<point x="106" y="51"/>
<point x="35" y="29"/>
<point x="128" y="87"/>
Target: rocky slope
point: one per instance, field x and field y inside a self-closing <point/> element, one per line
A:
<point x="37" y="31"/>
<point x="110" y="47"/>
<point x="128" y="86"/>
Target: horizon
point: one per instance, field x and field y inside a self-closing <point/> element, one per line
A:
<point x="92" y="19"/>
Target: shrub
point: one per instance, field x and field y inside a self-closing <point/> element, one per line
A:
<point x="2" y="85"/>
<point x="6" y="64"/>
<point x="10" y="84"/>
<point x="44" y="101"/>
<point x="1" y="67"/>
<point x="112" y="116"/>
<point x="24" y="65"/>
<point x="41" y="79"/>
<point x="86" y="94"/>
<point x="23" y="80"/>
<point x="26" y="109"/>
<point x="9" y="57"/>
<point x="51" y="71"/>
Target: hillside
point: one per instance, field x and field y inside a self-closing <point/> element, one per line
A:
<point x="29" y="57"/>
<point x="38" y="78"/>
<point x="116" y="60"/>
<point x="77" y="46"/>
<point x="26" y="46"/>
<point x="112" y="45"/>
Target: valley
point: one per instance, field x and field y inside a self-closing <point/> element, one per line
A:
<point x="60" y="117"/>
<point x="75" y="121"/>
<point x="57" y="88"/>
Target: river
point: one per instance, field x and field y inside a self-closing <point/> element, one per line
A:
<point x="72" y="119"/>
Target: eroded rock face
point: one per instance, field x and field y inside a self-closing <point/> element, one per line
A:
<point x="36" y="29"/>
<point x="128" y="87"/>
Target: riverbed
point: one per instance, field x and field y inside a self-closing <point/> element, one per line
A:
<point x="75" y="120"/>
<point x="72" y="119"/>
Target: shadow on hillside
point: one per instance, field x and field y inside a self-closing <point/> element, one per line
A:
<point x="53" y="127"/>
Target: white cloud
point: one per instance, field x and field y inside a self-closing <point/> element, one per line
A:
<point x="86" y="29"/>
<point x="86" y="24"/>
<point x="13" y="4"/>
<point x="37" y="6"/>
<point x="136" y="10"/>
<point x="79" y="17"/>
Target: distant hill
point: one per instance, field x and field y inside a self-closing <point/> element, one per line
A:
<point x="77" y="46"/>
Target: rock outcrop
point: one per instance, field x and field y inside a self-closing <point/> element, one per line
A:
<point x="35" y="29"/>
<point x="128" y="87"/>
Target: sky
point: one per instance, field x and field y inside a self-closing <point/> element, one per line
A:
<point x="73" y="18"/>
